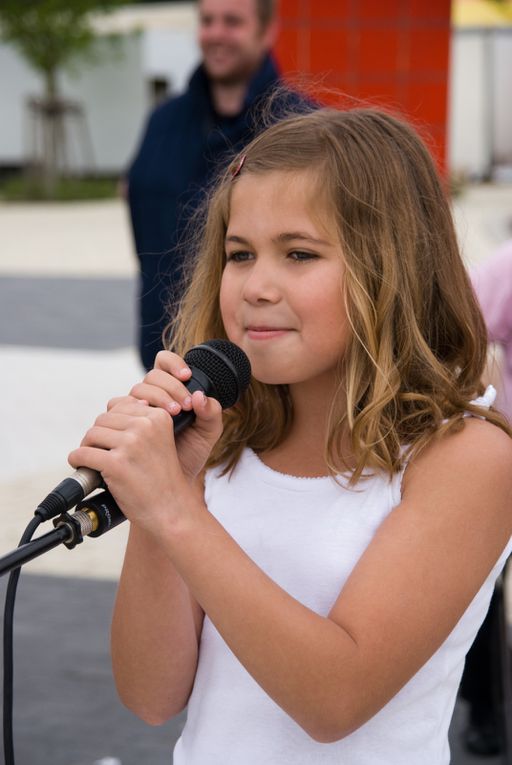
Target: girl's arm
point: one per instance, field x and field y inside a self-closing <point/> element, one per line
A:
<point x="411" y="586"/>
<point x="406" y="594"/>
<point x="155" y="632"/>
<point x="156" y="622"/>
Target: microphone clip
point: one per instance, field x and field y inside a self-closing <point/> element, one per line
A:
<point x="78" y="525"/>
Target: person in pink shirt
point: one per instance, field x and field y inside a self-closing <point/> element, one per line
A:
<point x="492" y="281"/>
<point x="481" y="684"/>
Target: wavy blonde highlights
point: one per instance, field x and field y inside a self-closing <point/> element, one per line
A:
<point x="418" y="342"/>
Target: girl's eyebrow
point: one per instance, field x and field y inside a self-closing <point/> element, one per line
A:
<point x="236" y="239"/>
<point x="284" y="237"/>
<point x="291" y="235"/>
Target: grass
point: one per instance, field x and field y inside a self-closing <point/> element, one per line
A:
<point x="20" y="188"/>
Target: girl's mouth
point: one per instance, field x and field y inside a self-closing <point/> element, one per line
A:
<point x="266" y="333"/>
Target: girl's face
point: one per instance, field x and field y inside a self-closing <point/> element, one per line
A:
<point x="281" y="293"/>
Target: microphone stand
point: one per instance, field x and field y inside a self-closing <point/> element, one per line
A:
<point x="33" y="549"/>
<point x="93" y="517"/>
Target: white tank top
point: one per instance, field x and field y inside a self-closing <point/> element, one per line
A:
<point x="307" y="534"/>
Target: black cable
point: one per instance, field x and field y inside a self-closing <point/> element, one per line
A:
<point x="94" y="517"/>
<point x="10" y="598"/>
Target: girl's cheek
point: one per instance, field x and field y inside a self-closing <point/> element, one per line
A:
<point x="223" y="313"/>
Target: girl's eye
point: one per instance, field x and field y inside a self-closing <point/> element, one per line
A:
<point x="301" y="256"/>
<point x="239" y="256"/>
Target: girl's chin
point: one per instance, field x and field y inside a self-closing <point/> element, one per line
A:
<point x="271" y="376"/>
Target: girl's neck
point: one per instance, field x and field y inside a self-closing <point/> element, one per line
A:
<point x="302" y="451"/>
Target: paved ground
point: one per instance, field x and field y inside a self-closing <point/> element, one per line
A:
<point x="67" y="284"/>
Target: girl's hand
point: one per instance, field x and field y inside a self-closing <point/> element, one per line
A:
<point x="164" y="387"/>
<point x="132" y="445"/>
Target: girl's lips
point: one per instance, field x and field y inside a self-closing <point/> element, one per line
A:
<point x="265" y="333"/>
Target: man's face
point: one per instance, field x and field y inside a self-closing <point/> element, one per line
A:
<point x="231" y="39"/>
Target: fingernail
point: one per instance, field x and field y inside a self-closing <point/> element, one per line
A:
<point x="187" y="402"/>
<point x="184" y="372"/>
<point x="173" y="407"/>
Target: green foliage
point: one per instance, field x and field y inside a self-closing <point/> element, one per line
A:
<point x="25" y="189"/>
<point x="51" y="33"/>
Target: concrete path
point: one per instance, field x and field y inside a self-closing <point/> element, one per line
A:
<point x="67" y="286"/>
<point x="67" y="328"/>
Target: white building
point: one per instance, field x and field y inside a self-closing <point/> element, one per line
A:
<point x="480" y="103"/>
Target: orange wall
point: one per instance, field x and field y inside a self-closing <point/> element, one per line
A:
<point x="389" y="52"/>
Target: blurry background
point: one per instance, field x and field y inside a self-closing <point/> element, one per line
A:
<point x="445" y="64"/>
<point x="67" y="282"/>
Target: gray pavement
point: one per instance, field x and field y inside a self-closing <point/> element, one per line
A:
<point x="67" y="285"/>
<point x="66" y="708"/>
<point x="58" y="312"/>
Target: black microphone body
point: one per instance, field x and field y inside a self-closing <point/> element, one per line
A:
<point x="219" y="368"/>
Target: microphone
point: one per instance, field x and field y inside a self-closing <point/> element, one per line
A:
<point x="219" y="368"/>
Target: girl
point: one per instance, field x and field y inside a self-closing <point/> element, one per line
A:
<point x="312" y="593"/>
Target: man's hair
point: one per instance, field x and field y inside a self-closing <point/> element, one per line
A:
<point x="417" y="340"/>
<point x="266" y="10"/>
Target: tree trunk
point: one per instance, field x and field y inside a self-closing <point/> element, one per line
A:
<point x="51" y="116"/>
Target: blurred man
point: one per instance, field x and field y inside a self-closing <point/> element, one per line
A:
<point x="186" y="140"/>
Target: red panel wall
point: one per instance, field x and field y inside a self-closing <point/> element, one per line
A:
<point x="389" y="52"/>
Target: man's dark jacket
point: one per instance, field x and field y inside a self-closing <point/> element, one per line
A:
<point x="184" y="145"/>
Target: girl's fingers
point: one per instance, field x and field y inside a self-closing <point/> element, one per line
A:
<point x="126" y="406"/>
<point x="116" y="420"/>
<point x="130" y="431"/>
<point x="173" y="399"/>
<point x="117" y="400"/>
<point x="208" y="413"/>
<point x="102" y="438"/>
<point x="163" y="389"/>
<point x="88" y="456"/>
<point x="172" y="364"/>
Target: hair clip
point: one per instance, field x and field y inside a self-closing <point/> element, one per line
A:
<point x="240" y="164"/>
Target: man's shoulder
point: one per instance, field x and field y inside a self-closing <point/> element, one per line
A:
<point x="173" y="105"/>
<point x="173" y="111"/>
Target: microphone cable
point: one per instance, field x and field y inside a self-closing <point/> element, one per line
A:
<point x="8" y="693"/>
<point x="94" y="517"/>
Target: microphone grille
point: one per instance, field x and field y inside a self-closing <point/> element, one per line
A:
<point x="226" y="365"/>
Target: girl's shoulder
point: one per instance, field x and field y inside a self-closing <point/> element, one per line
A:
<point x="470" y="469"/>
<point x="478" y="442"/>
<point x="478" y="448"/>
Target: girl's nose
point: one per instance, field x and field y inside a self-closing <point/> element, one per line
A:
<point x="262" y="284"/>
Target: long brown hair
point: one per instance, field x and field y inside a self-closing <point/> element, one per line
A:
<point x="418" y="341"/>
